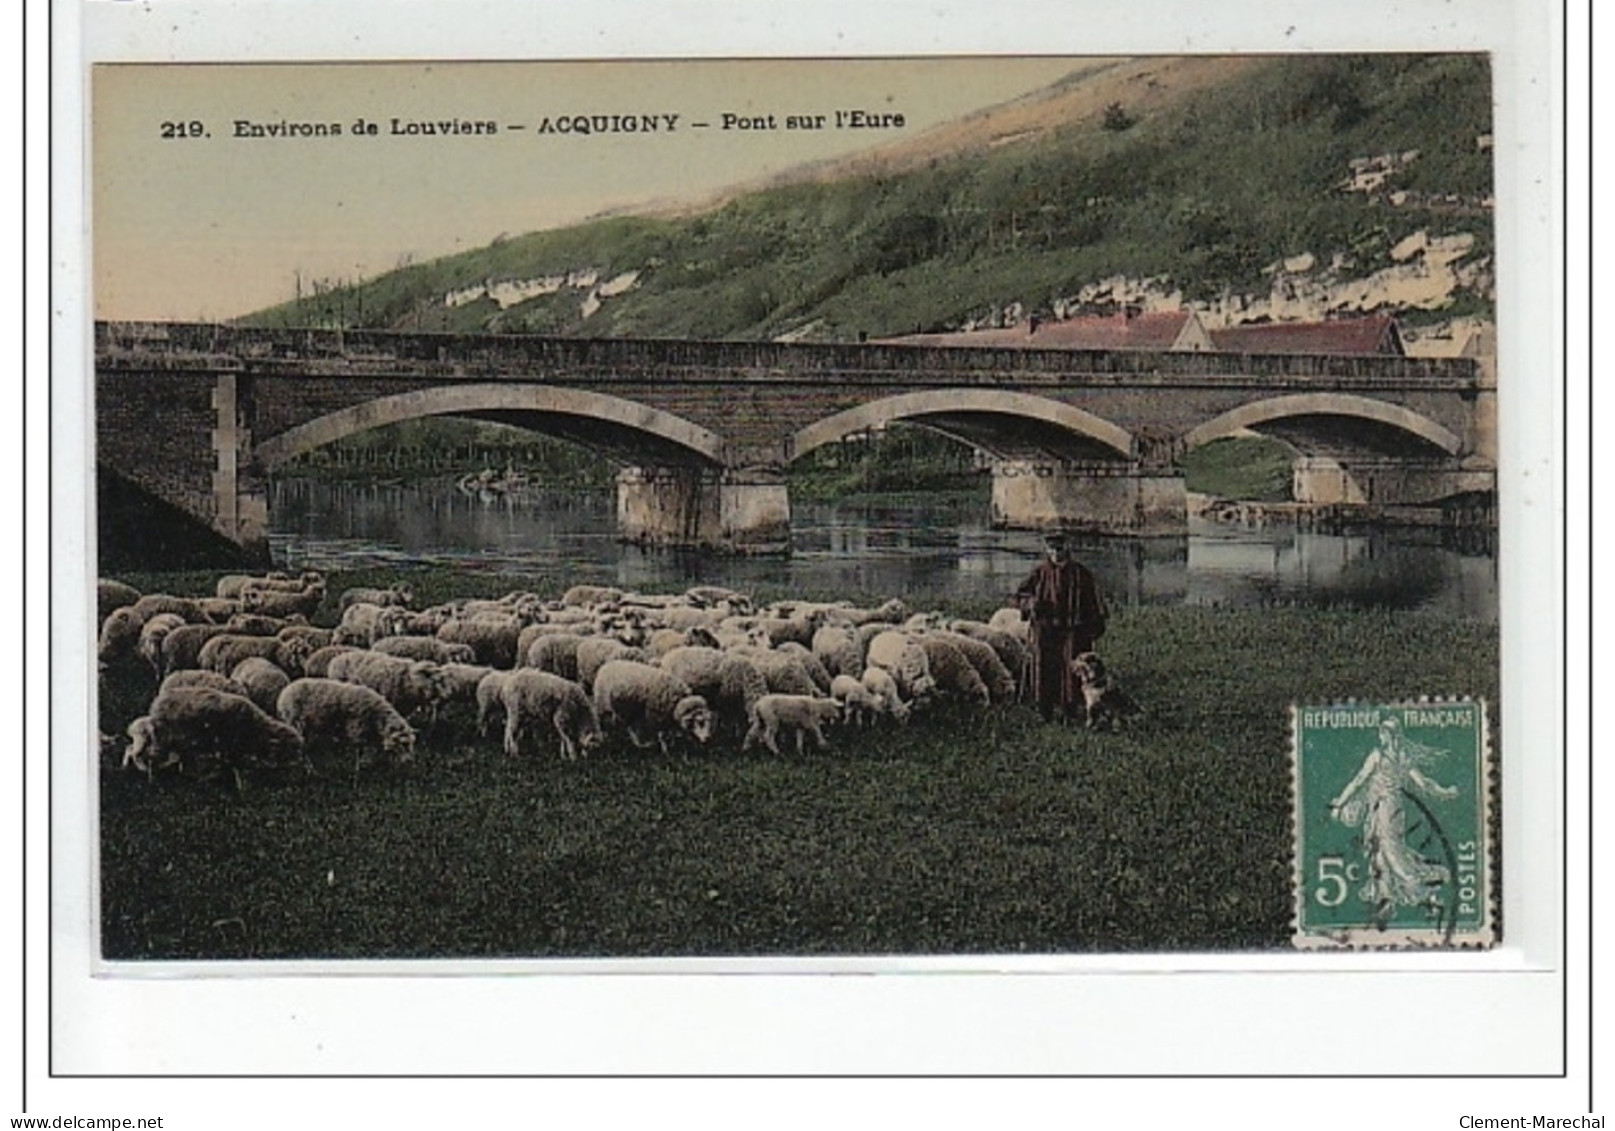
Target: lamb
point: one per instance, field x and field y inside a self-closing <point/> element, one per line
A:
<point x="112" y="595"/>
<point x="332" y="714"/>
<point x="492" y="638"/>
<point x="529" y="696"/>
<point x="413" y="687"/>
<point x="800" y="715"/>
<point x="953" y="672"/>
<point x="425" y="648"/>
<point x="905" y="658"/>
<point x="401" y="594"/>
<point x="650" y="704"/>
<point x="204" y="722"/>
<point x="859" y="706"/>
<point x="363" y="625"/>
<point x="883" y="687"/>
<point x="263" y="681"/>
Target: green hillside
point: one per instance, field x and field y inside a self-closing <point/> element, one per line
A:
<point x="1207" y="192"/>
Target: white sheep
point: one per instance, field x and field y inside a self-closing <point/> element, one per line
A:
<point x="785" y="674"/>
<point x="905" y="658"/>
<point x="731" y="684"/>
<point x="152" y="634"/>
<point x="281" y="602"/>
<point x="803" y="655"/>
<point x="1000" y="682"/>
<point x="956" y="677"/>
<point x="182" y="647"/>
<point x="650" y="704"/>
<point x="883" y="687"/>
<point x="493" y="637"/>
<point x="198" y="678"/>
<point x="413" y="687"/>
<point x="594" y="652"/>
<point x="838" y="648"/>
<point x="222" y="653"/>
<point x="425" y="648"/>
<point x="346" y="716"/>
<point x="798" y="715"/>
<point x="533" y="697"/>
<point x="554" y="652"/>
<point x="364" y="624"/>
<point x="263" y="680"/>
<point x="859" y="706"/>
<point x="203" y="722"/>
<point x="318" y="663"/>
<point x="590" y="595"/>
<point x="111" y="595"/>
<point x="402" y="594"/>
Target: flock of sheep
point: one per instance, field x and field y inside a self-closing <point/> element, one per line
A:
<point x="244" y="680"/>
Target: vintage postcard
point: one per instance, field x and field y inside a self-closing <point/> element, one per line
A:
<point x="854" y="508"/>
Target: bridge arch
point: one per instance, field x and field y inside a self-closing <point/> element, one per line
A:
<point x="1410" y="427"/>
<point x="675" y="437"/>
<point x="967" y="415"/>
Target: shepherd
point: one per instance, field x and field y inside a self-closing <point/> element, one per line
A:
<point x="1066" y="615"/>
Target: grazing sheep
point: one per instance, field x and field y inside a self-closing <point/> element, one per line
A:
<point x="223" y="652"/>
<point x="555" y="652"/>
<point x="955" y="676"/>
<point x="799" y="715"/>
<point x="217" y="610"/>
<point x="331" y="714"/>
<point x="596" y="651"/>
<point x="254" y="624"/>
<point x="234" y="584"/>
<point x="120" y="635"/>
<point x="111" y="595"/>
<point x="730" y="684"/>
<point x="263" y="680"/>
<point x="891" y="612"/>
<point x="204" y="722"/>
<point x="493" y="638"/>
<point x="533" y="697"/>
<point x="425" y="648"/>
<point x="716" y="596"/>
<point x="810" y="664"/>
<point x="152" y="633"/>
<point x="282" y="603"/>
<point x="426" y="622"/>
<point x="650" y="704"/>
<point x="313" y="638"/>
<point x="784" y="674"/>
<point x="859" y="706"/>
<point x="838" y="648"/>
<point x="460" y="682"/>
<point x="580" y="595"/>
<point x="1011" y="621"/>
<point x="883" y="687"/>
<point x="363" y="625"/>
<point x="318" y="663"/>
<point x="905" y="658"/>
<point x="1011" y="648"/>
<point x="401" y="594"/>
<point x="182" y="647"/>
<point x="198" y="678"/>
<point x="1000" y="683"/>
<point x="413" y="687"/>
<point x="153" y="603"/>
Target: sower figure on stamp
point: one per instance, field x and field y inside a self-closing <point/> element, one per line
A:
<point x="1066" y="615"/>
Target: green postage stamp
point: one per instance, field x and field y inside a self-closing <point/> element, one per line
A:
<point x="1392" y="825"/>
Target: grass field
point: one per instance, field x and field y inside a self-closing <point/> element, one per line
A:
<point x="963" y="833"/>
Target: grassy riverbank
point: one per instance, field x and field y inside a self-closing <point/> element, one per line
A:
<point x="965" y="832"/>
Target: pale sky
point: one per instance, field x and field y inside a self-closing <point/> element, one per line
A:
<point x="203" y="227"/>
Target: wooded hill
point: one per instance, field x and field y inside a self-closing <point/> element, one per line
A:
<point x="1206" y="183"/>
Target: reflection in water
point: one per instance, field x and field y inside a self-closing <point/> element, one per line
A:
<point x="925" y="546"/>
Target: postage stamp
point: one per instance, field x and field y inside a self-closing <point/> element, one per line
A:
<point x="1392" y="827"/>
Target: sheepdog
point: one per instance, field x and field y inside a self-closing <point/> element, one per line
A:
<point x="1106" y="704"/>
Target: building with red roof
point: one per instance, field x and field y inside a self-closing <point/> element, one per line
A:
<point x="1375" y="334"/>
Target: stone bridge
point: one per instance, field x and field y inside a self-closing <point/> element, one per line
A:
<point x="198" y="415"/>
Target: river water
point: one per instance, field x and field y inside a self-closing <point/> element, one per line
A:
<point x="923" y="547"/>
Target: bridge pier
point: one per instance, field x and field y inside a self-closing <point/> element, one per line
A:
<point x="736" y="510"/>
<point x="240" y="502"/>
<point x="1327" y="481"/>
<point x="1104" y="496"/>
